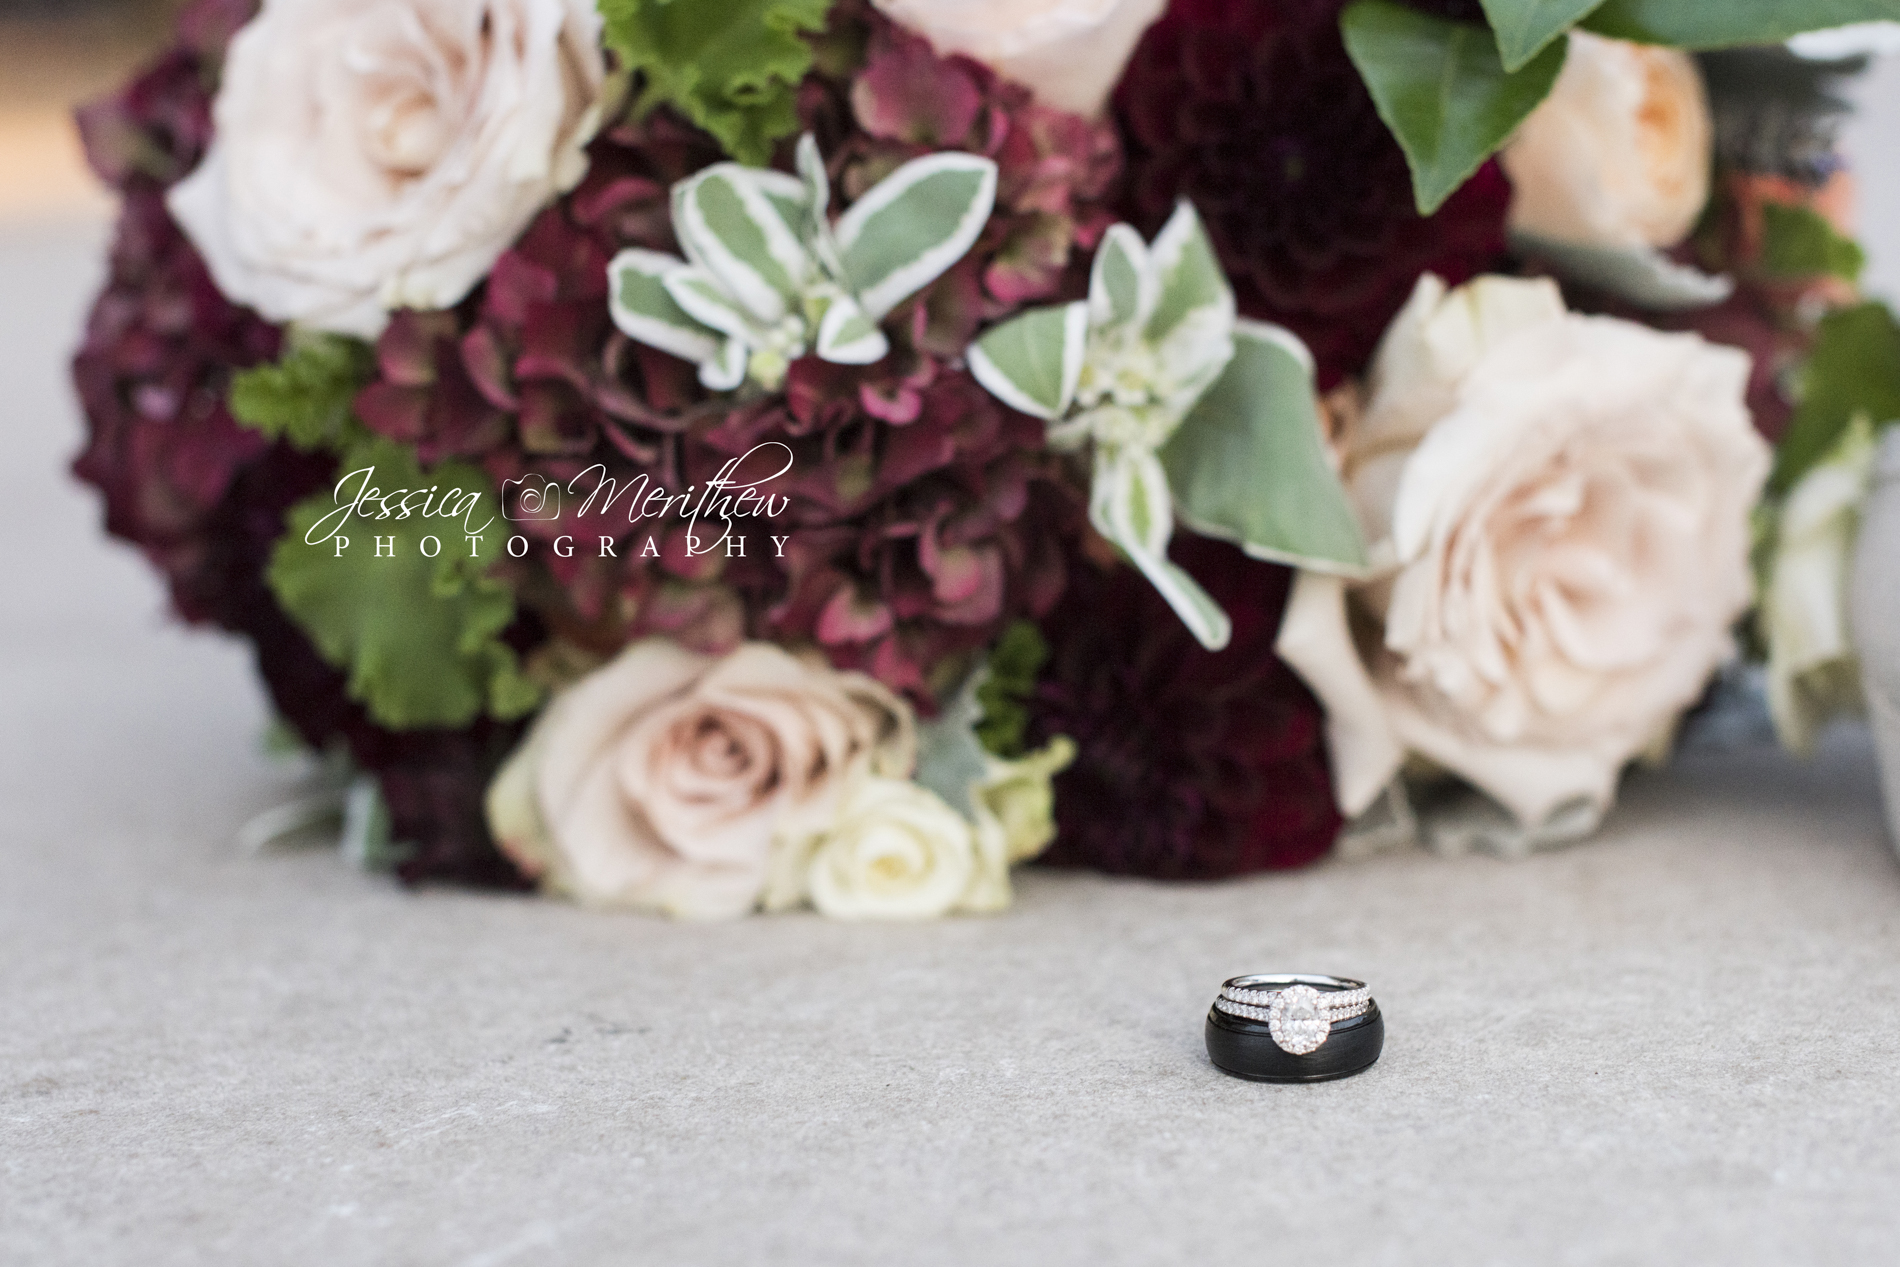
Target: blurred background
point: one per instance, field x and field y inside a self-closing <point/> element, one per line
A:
<point x="54" y="54"/>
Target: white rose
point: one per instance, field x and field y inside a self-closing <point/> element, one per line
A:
<point x="898" y="850"/>
<point x="1562" y="504"/>
<point x="381" y="154"/>
<point x="1069" y="52"/>
<point x="1812" y="667"/>
<point x="1618" y="155"/>
<point x="895" y="851"/>
<point x="661" y="781"/>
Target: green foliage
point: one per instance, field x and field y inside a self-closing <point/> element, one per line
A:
<point x="1524" y="28"/>
<point x="1729" y="23"/>
<point x="1855" y="371"/>
<point x="1249" y="464"/>
<point x="306" y="397"/>
<point x="1014" y="663"/>
<point x="1801" y="243"/>
<point x="1442" y="88"/>
<point x="731" y="66"/>
<point x="419" y="637"/>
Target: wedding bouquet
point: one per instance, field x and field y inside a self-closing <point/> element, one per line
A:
<point x="704" y="456"/>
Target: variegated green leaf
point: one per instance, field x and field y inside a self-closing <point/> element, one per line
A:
<point x="847" y="337"/>
<point x="1129" y="503"/>
<point x="730" y="228"/>
<point x="1031" y="363"/>
<point x="1188" y="272"/>
<point x="644" y="309"/>
<point x="912" y="225"/>
<point x="816" y="226"/>
<point x="1249" y="465"/>
<point x="701" y="297"/>
<point x="814" y="180"/>
<point x="1193" y="357"/>
<point x="1122" y="282"/>
<point x="727" y="368"/>
<point x="1194" y="605"/>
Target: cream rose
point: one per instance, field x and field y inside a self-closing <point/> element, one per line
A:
<point x="381" y="154"/>
<point x="1813" y="671"/>
<point x="1618" y="155"/>
<point x="662" y="781"/>
<point x="897" y="850"/>
<point x="1069" y="52"/>
<point x="1561" y="505"/>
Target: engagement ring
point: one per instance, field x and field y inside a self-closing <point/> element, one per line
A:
<point x="1294" y="1027"/>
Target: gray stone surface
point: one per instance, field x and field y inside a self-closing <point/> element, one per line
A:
<point x="1675" y="1045"/>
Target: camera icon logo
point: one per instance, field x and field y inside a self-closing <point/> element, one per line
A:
<point x="532" y="498"/>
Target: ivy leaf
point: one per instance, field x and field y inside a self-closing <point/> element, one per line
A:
<point x="1005" y="690"/>
<point x="419" y="637"/>
<point x="1524" y="28"/>
<point x="1729" y="23"/>
<point x="731" y="66"/>
<point x="1799" y="242"/>
<point x="307" y="396"/>
<point x="1855" y="370"/>
<point x="1442" y="88"/>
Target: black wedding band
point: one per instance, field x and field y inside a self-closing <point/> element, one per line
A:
<point x="1247" y="1048"/>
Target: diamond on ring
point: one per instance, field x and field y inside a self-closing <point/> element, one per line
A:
<point x="1296" y="1020"/>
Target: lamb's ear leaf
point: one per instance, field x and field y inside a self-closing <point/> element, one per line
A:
<point x="1249" y="465"/>
<point x="726" y="369"/>
<point x="1122" y="284"/>
<point x="1130" y="504"/>
<point x="1032" y="363"/>
<point x="914" y="224"/>
<point x="1442" y="88"/>
<point x="1189" y="276"/>
<point x="645" y="310"/>
<point x="730" y="227"/>
<point x="704" y="300"/>
<point x="847" y="337"/>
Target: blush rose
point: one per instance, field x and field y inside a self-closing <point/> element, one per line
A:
<point x="1560" y="506"/>
<point x="1069" y="53"/>
<point x="662" y="781"/>
<point x="382" y="154"/>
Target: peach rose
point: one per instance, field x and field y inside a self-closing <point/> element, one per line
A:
<point x="663" y="780"/>
<point x="1618" y="155"/>
<point x="1069" y="52"/>
<point x="1560" y="505"/>
<point x="380" y="154"/>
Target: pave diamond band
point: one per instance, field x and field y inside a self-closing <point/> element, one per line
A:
<point x="1300" y="1010"/>
<point x="1255" y="1013"/>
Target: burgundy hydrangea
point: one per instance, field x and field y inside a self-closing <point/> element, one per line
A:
<point x="204" y="497"/>
<point x="1193" y="764"/>
<point x="921" y="515"/>
<point x="161" y="342"/>
<point x="1252" y="110"/>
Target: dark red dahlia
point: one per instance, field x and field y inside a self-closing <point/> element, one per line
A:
<point x="1192" y="764"/>
<point x="1252" y="110"/>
